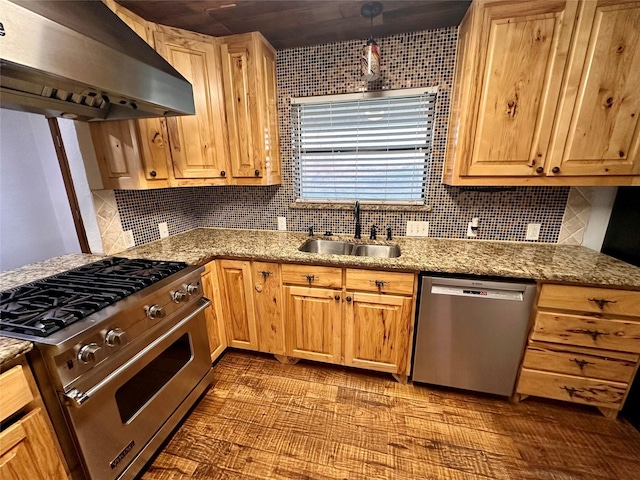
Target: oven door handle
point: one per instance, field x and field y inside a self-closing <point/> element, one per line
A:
<point x="77" y="398"/>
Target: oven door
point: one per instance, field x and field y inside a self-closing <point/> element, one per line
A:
<point x="114" y="419"/>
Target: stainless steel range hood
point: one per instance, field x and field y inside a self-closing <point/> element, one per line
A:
<point x="77" y="59"/>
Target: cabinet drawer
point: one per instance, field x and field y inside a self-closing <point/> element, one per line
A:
<point x="592" y="300"/>
<point x="380" y="282"/>
<point x="603" y="333"/>
<point x="14" y="392"/>
<point x="311" y="275"/>
<point x="599" y="393"/>
<point x="581" y="362"/>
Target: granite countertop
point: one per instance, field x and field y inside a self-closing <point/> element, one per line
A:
<point x="11" y="348"/>
<point x="550" y="262"/>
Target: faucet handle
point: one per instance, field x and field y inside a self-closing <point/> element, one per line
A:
<point x="389" y="233"/>
<point x="374" y="232"/>
<point x="310" y="230"/>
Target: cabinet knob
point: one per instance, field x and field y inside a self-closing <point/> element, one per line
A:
<point x="257" y="173"/>
<point x="539" y="170"/>
<point x="153" y="173"/>
<point x="348" y="299"/>
<point x="223" y="173"/>
<point x="555" y="170"/>
<point x="337" y="297"/>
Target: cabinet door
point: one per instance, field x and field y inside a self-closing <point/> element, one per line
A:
<point x="522" y="55"/>
<point x="269" y="111"/>
<point x="267" y="294"/>
<point x="28" y="450"/>
<point x="215" y="326"/>
<point x="198" y="142"/>
<point x="598" y="127"/>
<point x="313" y="323"/>
<point x="237" y="303"/>
<point x="377" y="332"/>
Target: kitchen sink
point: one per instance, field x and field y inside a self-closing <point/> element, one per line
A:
<point x="339" y="247"/>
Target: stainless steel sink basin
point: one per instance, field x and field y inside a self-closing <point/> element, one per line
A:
<point x="339" y="247"/>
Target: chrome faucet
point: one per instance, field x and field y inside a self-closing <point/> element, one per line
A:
<point x="356" y="216"/>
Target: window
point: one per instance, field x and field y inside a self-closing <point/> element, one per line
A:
<point x="371" y="146"/>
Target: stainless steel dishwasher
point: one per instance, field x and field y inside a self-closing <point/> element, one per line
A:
<point x="471" y="332"/>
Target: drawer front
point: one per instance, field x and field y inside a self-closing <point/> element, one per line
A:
<point x="581" y="362"/>
<point x="14" y="391"/>
<point x="620" y="335"/>
<point x="592" y="300"/>
<point x="312" y="276"/>
<point x="380" y="282"/>
<point x="599" y="393"/>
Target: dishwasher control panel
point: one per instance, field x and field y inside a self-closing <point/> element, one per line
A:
<point x="477" y="292"/>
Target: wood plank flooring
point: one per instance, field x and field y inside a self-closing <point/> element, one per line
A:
<point x="266" y="420"/>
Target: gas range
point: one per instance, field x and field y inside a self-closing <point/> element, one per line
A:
<point x="120" y="348"/>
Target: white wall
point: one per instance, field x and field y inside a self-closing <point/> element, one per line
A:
<point x="602" y="199"/>
<point x="35" y="218"/>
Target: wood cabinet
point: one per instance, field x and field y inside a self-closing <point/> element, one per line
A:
<point x="213" y="314"/>
<point x="267" y="295"/>
<point x="542" y="94"/>
<point x="249" y="70"/>
<point x="194" y="149"/>
<point x="584" y="346"/>
<point x="313" y="323"/>
<point x="236" y="292"/>
<point x="198" y="143"/>
<point x="28" y="448"/>
<point x="363" y="319"/>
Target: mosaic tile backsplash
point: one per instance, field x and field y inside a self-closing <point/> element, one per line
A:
<point x="408" y="60"/>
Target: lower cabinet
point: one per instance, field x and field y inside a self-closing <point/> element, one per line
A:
<point x="584" y="346"/>
<point x="360" y="318"/>
<point x="28" y="447"/>
<point x="215" y="325"/>
<point x="313" y="323"/>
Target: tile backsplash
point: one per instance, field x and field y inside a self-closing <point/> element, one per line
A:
<point x="408" y="60"/>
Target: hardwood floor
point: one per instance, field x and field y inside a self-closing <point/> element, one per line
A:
<point x="266" y="420"/>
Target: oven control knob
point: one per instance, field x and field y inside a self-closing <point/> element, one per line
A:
<point x="193" y="288"/>
<point x="115" y="337"/>
<point x="155" y="311"/>
<point x="88" y="353"/>
<point x="179" y="296"/>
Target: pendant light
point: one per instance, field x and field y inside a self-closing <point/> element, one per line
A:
<point x="370" y="58"/>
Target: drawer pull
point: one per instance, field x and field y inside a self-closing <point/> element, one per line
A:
<point x="310" y="278"/>
<point x="594" y="333"/>
<point x="601" y="302"/>
<point x="264" y="273"/>
<point x="581" y="363"/>
<point x="379" y="283"/>
<point x="570" y="390"/>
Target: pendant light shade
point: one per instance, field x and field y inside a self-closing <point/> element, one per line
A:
<point x="370" y="57"/>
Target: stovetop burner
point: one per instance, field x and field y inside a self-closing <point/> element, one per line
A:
<point x="45" y="306"/>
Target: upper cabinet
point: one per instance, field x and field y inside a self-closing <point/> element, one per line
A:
<point x="544" y="94"/>
<point x="198" y="143"/>
<point x="232" y="139"/>
<point x="249" y="70"/>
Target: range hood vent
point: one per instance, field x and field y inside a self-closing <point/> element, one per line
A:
<point x="77" y="59"/>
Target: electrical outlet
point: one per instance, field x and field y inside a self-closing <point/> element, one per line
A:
<point x="282" y="223"/>
<point x="471" y="232"/>
<point x="164" y="229"/>
<point x="533" y="231"/>
<point x="128" y="239"/>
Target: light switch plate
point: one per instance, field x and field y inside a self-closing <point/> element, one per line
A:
<point x="164" y="229"/>
<point x="533" y="231"/>
<point x="282" y="223"/>
<point x="470" y="232"/>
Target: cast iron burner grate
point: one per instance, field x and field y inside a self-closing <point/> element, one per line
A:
<point x="45" y="306"/>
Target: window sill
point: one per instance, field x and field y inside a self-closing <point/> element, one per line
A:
<point x="363" y="207"/>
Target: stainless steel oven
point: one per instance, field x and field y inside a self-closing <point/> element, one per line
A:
<point x="117" y="381"/>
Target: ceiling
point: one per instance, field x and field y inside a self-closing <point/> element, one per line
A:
<point x="289" y="24"/>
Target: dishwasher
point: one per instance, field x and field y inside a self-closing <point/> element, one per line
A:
<point x="471" y="332"/>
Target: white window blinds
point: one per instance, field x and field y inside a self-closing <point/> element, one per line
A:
<point x="371" y="147"/>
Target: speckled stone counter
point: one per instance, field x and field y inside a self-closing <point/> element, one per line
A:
<point x="46" y="268"/>
<point x="561" y="263"/>
<point x="11" y="348"/>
